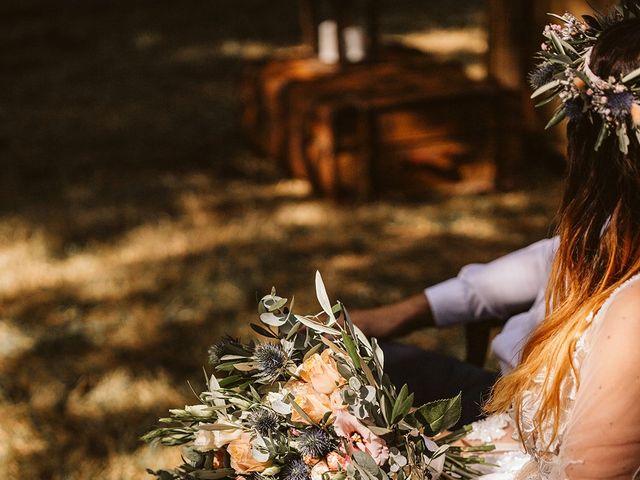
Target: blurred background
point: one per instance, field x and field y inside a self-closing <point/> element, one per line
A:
<point x="164" y="164"/>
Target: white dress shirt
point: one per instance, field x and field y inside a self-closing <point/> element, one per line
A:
<point x="511" y="288"/>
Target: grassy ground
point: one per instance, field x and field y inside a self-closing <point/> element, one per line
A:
<point x="135" y="227"/>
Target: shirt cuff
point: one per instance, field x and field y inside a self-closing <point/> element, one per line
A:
<point x="449" y="302"/>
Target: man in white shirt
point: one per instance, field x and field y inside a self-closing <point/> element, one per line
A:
<point x="511" y="288"/>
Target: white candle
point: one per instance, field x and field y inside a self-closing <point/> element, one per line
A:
<point x="328" y="50"/>
<point x="354" y="43"/>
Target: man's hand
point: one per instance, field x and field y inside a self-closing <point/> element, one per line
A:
<point x="396" y="319"/>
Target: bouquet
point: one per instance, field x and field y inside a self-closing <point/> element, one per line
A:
<point x="311" y="402"/>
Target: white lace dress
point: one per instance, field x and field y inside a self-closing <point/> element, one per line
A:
<point x="599" y="426"/>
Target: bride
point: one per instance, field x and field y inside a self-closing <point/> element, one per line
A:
<point x="575" y="397"/>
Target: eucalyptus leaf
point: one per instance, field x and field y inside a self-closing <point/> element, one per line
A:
<point x="560" y="115"/>
<point x="403" y="404"/>
<point x="318" y="327"/>
<point x="245" y="367"/>
<point x="311" y="351"/>
<point x="301" y="412"/>
<point x="631" y="76"/>
<point x="323" y="298"/>
<point x="294" y="330"/>
<point x="557" y="17"/>
<point x="623" y="138"/>
<point x="262" y="331"/>
<point x="545" y="101"/>
<point x="545" y="88"/>
<point x="272" y="319"/>
<point x="352" y="349"/>
<point x="334" y="347"/>
<point x="367" y="462"/>
<point x="367" y="373"/>
<point x="230" y="380"/>
<point x="568" y="46"/>
<point x="557" y="43"/>
<point x="378" y="354"/>
<point x="602" y="135"/>
<point x="380" y="431"/>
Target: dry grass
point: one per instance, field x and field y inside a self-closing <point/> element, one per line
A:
<point x="135" y="227"/>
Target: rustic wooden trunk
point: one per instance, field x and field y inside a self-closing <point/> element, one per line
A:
<point x="409" y="134"/>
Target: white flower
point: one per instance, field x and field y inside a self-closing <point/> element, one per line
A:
<point x="204" y="441"/>
<point x="276" y="400"/>
<point x="198" y="410"/>
<point x="435" y="464"/>
<point x="213" y="436"/>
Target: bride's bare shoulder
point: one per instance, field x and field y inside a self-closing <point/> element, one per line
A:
<point x="625" y="307"/>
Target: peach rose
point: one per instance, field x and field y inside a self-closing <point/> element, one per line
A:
<point x="322" y="372"/>
<point x="336" y="401"/>
<point x="314" y="404"/>
<point x="635" y="114"/>
<point x="318" y="470"/>
<point x="337" y="462"/>
<point x="241" y="456"/>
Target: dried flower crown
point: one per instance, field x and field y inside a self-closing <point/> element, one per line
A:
<point x="565" y="73"/>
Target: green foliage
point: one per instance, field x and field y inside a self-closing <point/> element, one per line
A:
<point x="439" y="415"/>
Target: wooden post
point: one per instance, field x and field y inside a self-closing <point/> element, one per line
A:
<point x="309" y="23"/>
<point x="372" y="18"/>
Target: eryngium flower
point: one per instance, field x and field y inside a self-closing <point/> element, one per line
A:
<point x="574" y="108"/>
<point x="315" y="442"/>
<point x="219" y="349"/>
<point x="264" y="421"/>
<point x="620" y="103"/>
<point x="542" y="74"/>
<point x="270" y="359"/>
<point x="296" y="469"/>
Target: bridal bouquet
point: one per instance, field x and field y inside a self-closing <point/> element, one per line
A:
<point x="311" y="402"/>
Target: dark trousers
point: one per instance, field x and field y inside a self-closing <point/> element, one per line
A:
<point x="433" y="376"/>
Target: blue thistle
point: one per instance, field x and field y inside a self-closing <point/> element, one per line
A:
<point x="542" y="74"/>
<point x="270" y="359"/>
<point x="296" y="469"/>
<point x="221" y="348"/>
<point x="574" y="108"/>
<point x="315" y="442"/>
<point x="620" y="103"/>
<point x="264" y="421"/>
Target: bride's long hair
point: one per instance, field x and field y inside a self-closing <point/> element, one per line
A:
<point x="599" y="229"/>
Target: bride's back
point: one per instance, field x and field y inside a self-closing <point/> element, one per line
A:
<point x="576" y="390"/>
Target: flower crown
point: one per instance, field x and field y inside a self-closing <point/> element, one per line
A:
<point x="565" y="72"/>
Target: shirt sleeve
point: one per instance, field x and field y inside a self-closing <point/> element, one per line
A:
<point x="496" y="290"/>
<point x="602" y="439"/>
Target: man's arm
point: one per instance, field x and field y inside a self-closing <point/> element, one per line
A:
<point x="496" y="290"/>
<point x="395" y="319"/>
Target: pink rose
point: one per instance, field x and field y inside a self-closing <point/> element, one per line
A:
<point x="360" y="437"/>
